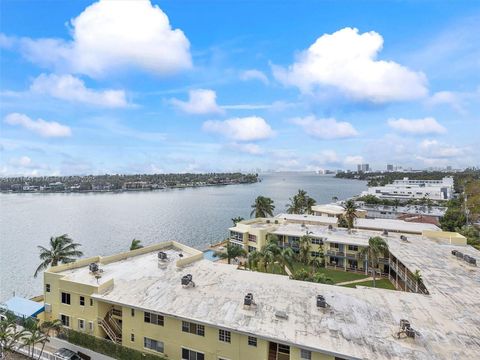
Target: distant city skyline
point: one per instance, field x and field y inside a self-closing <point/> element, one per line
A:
<point x="207" y="86"/>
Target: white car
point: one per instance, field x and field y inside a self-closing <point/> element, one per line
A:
<point x="67" y="354"/>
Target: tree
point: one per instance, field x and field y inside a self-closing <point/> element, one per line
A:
<point x="316" y="262"/>
<point x="377" y="247"/>
<point x="237" y="219"/>
<point x="350" y="212"/>
<point x="334" y="198"/>
<point x="301" y="203"/>
<point x="136" y="244"/>
<point x="287" y="257"/>
<point x="454" y="217"/>
<point x="232" y="251"/>
<point x="10" y="334"/>
<point x="305" y="247"/>
<point x="417" y="277"/>
<point x="62" y="251"/>
<point x="263" y="207"/>
<point x="253" y="260"/>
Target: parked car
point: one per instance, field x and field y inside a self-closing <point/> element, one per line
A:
<point x="66" y="354"/>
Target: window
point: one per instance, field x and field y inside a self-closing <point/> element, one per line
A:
<point x="316" y="241"/>
<point x="193" y="328"/>
<point x="132" y="337"/>
<point x="252" y="238"/>
<point x="353" y="247"/>
<point x="251" y="249"/>
<point x="81" y="324"/>
<point x="90" y="326"/>
<point x="252" y="341"/>
<point x="334" y="245"/>
<point x="132" y="312"/>
<point x="152" y="318"/>
<point x="153" y="344"/>
<point x="236" y="236"/>
<point x="65" y="320"/>
<point x="315" y="254"/>
<point x="82" y="300"/>
<point x="224" y="335"/>
<point x="192" y="355"/>
<point x="91" y="302"/>
<point x="65" y="298"/>
<point x="47" y="287"/>
<point x="305" y="354"/>
<point x="284" y="349"/>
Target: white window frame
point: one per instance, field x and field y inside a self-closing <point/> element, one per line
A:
<point x="81" y="328"/>
<point x="66" y="316"/>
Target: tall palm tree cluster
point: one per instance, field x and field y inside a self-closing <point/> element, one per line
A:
<point x="262" y="207"/>
<point x="301" y="203"/>
<point x="377" y="248"/>
<point x="350" y="213"/>
<point x="28" y="336"/>
<point x="270" y="254"/>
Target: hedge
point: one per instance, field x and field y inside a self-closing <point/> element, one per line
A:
<point x="106" y="347"/>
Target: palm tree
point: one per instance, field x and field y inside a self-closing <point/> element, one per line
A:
<point x="62" y="250"/>
<point x="10" y="334"/>
<point x="286" y="258"/>
<point x="377" y="247"/>
<point x="136" y="244"/>
<point x="316" y="263"/>
<point x="237" y="219"/>
<point x="334" y="198"/>
<point x="263" y="207"/>
<point x="309" y="202"/>
<point x="350" y="212"/>
<point x="301" y="203"/>
<point x="417" y="277"/>
<point x="253" y="260"/>
<point x="46" y="327"/>
<point x="305" y="247"/>
<point x="232" y="251"/>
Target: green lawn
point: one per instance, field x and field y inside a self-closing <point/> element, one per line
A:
<point x="381" y="283"/>
<point x="337" y="276"/>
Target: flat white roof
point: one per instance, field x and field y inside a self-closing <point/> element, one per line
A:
<point x="329" y="209"/>
<point x="320" y="219"/>
<point x="359" y="324"/>
<point x="394" y="225"/>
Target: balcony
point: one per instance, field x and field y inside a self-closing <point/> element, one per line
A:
<point x="236" y="241"/>
<point x="335" y="253"/>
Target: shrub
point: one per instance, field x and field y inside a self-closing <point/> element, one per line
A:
<point x="106" y="347"/>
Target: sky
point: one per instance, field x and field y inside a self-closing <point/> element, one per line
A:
<point x="140" y="86"/>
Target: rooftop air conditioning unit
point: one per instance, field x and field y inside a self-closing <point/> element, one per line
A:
<point x="93" y="267"/>
<point x="162" y="255"/>
<point x="187" y="281"/>
<point x="454" y="252"/>
<point x="321" y="303"/>
<point x="248" y="300"/>
<point x="459" y="255"/>
<point x="330" y="227"/>
<point x="385" y="233"/>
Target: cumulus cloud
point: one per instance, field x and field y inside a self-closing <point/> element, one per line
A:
<point x="353" y="160"/>
<point x="347" y="61"/>
<point x="39" y="126"/>
<point x="71" y="88"/>
<point x="433" y="148"/>
<point x="325" y="129"/>
<point x="200" y="101"/>
<point x="249" y="128"/>
<point x="423" y="126"/>
<point x="254" y="74"/>
<point x="325" y="157"/>
<point x="112" y="35"/>
<point x="23" y="161"/>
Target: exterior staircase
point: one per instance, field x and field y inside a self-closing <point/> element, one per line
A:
<point x="111" y="327"/>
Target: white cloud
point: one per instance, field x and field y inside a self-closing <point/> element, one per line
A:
<point x="112" y="35"/>
<point x="249" y="128"/>
<point x="435" y="149"/>
<point x="346" y="61"/>
<point x="39" y="126"/>
<point x="325" y="157"/>
<point x="426" y="125"/>
<point x="325" y="128"/>
<point x="353" y="160"/>
<point x="70" y="88"/>
<point x="254" y="74"/>
<point x="6" y="42"/>
<point x="200" y="101"/>
<point x="23" y="161"/>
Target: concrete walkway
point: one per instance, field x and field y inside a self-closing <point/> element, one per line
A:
<point x="355" y="281"/>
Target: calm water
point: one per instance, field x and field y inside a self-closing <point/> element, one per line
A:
<point x="105" y="223"/>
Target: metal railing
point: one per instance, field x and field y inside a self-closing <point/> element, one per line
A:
<point x="37" y="353"/>
<point x="111" y="327"/>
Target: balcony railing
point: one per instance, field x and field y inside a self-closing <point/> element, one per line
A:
<point x="235" y="241"/>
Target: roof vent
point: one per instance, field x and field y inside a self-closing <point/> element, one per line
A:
<point x="403" y="238"/>
<point x="385" y="233"/>
<point x="280" y="314"/>
<point x="93" y="267"/>
<point x="454" y="252"/>
<point x="406" y="330"/>
<point x="321" y="303"/>
<point x="187" y="281"/>
<point x="470" y="260"/>
<point x="248" y="301"/>
<point x="330" y="227"/>
<point x="459" y="255"/>
<point x="180" y="255"/>
<point x="162" y="256"/>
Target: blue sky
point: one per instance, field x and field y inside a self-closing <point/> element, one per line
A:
<point x="175" y="86"/>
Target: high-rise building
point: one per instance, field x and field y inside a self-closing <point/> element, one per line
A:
<point x="389" y="167"/>
<point x="363" y="167"/>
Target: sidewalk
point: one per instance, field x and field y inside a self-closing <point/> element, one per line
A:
<point x="355" y="281"/>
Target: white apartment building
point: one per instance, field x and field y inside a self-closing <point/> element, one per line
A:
<point x="414" y="189"/>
